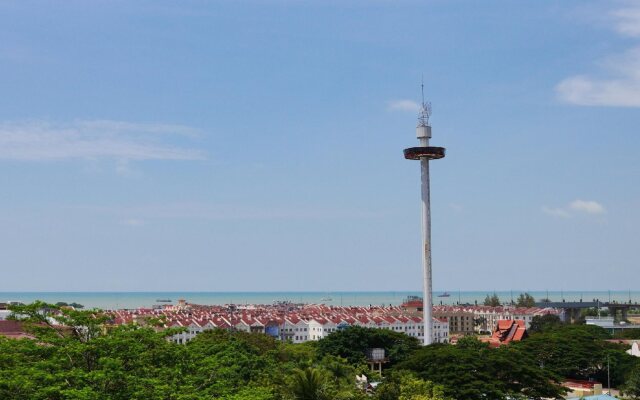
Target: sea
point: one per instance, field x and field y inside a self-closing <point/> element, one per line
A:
<point x="133" y="300"/>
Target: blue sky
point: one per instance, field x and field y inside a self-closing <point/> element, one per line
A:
<point x="241" y="145"/>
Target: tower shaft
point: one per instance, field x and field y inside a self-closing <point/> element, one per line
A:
<point x="427" y="306"/>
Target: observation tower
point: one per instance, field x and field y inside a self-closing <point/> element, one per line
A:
<point x="425" y="153"/>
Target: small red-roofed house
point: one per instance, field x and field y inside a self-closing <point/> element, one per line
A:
<point x="508" y="331"/>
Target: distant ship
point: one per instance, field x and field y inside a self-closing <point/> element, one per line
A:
<point x="445" y="294"/>
<point x="163" y="300"/>
<point x="326" y="298"/>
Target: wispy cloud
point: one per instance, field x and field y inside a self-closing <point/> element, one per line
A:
<point x="403" y="105"/>
<point x="620" y="84"/>
<point x="576" y="206"/>
<point x="589" y="207"/>
<point x="627" y="21"/>
<point x="94" y="140"/>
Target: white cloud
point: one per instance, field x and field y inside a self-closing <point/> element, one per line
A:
<point x="94" y="140"/>
<point x="589" y="207"/>
<point x="620" y="87"/>
<point x="623" y="90"/>
<point x="579" y="206"/>
<point x="556" y="212"/>
<point x="404" y="105"/>
<point x="627" y="21"/>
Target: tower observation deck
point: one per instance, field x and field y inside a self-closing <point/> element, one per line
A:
<point x="424" y="152"/>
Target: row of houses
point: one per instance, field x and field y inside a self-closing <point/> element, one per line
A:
<point x="470" y="319"/>
<point x="297" y="323"/>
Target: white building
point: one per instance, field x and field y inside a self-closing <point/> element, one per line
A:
<point x="295" y="329"/>
<point x="299" y="330"/>
<point x="440" y="330"/>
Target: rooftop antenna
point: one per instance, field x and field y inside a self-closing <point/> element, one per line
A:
<point x="425" y="109"/>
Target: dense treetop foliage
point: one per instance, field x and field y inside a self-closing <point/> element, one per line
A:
<point x="353" y="343"/>
<point x="579" y="352"/>
<point x="471" y="370"/>
<point x="88" y="360"/>
<point x="628" y="334"/>
<point x="525" y="300"/>
<point x="541" y="323"/>
<point x="631" y="387"/>
<point x="492" y="300"/>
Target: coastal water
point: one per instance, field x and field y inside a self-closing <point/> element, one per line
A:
<point x="118" y="300"/>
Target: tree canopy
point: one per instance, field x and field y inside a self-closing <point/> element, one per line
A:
<point x="472" y="370"/>
<point x="492" y="300"/>
<point x="525" y="300"/>
<point x="543" y="323"/>
<point x="632" y="385"/>
<point x="353" y="342"/>
<point x="578" y="351"/>
<point x="628" y="334"/>
<point x="86" y="360"/>
<point x="77" y="355"/>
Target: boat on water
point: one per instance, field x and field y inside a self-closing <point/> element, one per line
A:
<point x="326" y="299"/>
<point x="163" y="300"/>
<point x="445" y="294"/>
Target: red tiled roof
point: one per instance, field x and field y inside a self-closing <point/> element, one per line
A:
<point x="508" y="331"/>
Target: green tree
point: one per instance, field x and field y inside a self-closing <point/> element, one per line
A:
<point x="592" y="312"/>
<point x="525" y="300"/>
<point x="543" y="323"/>
<point x="309" y="384"/>
<point x="627" y="334"/>
<point x="472" y="370"/>
<point x="353" y="342"/>
<point x="632" y="386"/>
<point x="418" y="389"/>
<point x="82" y="359"/>
<point x="579" y="352"/>
<point x="404" y="385"/>
<point x="339" y="369"/>
<point x="492" y="300"/>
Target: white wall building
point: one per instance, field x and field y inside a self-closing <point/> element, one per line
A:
<point x="299" y="330"/>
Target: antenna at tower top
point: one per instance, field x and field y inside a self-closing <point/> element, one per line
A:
<point x="425" y="108"/>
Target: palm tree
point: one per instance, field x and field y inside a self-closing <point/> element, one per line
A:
<point x="309" y="384"/>
<point x="339" y="369"/>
